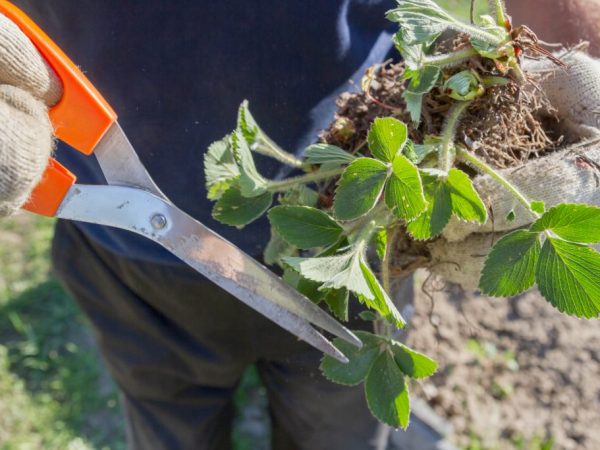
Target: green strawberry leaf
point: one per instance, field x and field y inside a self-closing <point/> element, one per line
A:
<point x="416" y="153"/>
<point x="236" y="210"/>
<point x="300" y="196"/>
<point x="466" y="203"/>
<point x="538" y="206"/>
<point x="349" y="271"/>
<point x="361" y="360"/>
<point x="310" y="289"/>
<point x="387" y="392"/>
<point x="305" y="227"/>
<point x="336" y="248"/>
<point x="277" y="248"/>
<point x="567" y="276"/>
<point x="420" y="20"/>
<point x="387" y="137"/>
<point x="327" y="154"/>
<point x="423" y="20"/>
<point x="368" y="316"/>
<point x="487" y="49"/>
<point x="463" y="86"/>
<point x="338" y="301"/>
<point x="423" y="80"/>
<point x="439" y="210"/>
<point x="220" y="168"/>
<point x="359" y="188"/>
<point x="573" y="222"/>
<point x="379" y="300"/>
<point x="247" y="125"/>
<point x="216" y="191"/>
<point x="412" y="363"/>
<point x="412" y="55"/>
<point x="291" y="277"/>
<point x="404" y="190"/>
<point x="335" y="272"/>
<point x="446" y="195"/>
<point x="510" y="267"/>
<point x="414" y="105"/>
<point x="252" y="184"/>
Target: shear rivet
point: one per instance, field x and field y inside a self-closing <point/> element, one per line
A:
<point x="158" y="221"/>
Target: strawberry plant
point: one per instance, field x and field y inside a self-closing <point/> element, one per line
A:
<point x="336" y="226"/>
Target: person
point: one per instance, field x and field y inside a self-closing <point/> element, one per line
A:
<point x="175" y="71"/>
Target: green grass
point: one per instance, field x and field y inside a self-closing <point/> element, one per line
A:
<point x="53" y="392"/>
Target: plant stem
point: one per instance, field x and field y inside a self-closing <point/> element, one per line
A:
<point x="446" y="160"/>
<point x="382" y="326"/>
<point x="450" y="59"/>
<point x="494" y="81"/>
<point x="385" y="266"/>
<point x="518" y="72"/>
<point x="376" y="214"/>
<point x="366" y="233"/>
<point x="269" y="148"/>
<point x="482" y="167"/>
<point x="320" y="175"/>
<point x="479" y="33"/>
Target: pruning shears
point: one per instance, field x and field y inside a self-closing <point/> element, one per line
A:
<point x="84" y="120"/>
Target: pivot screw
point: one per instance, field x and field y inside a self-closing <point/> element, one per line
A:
<point x="158" y="221"/>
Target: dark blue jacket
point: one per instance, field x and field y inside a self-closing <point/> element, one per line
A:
<point x="176" y="70"/>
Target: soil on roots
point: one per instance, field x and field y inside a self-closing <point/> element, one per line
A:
<point x="506" y="126"/>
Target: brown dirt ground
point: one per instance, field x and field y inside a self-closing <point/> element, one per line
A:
<point x="553" y="390"/>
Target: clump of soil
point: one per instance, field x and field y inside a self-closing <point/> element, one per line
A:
<point x="511" y="371"/>
<point x="356" y="111"/>
<point x="506" y="126"/>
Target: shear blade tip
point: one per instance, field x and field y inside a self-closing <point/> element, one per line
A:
<point x="352" y="339"/>
<point x="331" y="350"/>
<point x="341" y="357"/>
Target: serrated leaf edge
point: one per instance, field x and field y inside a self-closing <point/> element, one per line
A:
<point x="393" y="425"/>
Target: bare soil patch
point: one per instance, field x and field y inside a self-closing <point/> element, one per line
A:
<point x="510" y="370"/>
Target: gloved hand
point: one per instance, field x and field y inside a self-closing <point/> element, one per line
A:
<point x="27" y="87"/>
<point x="571" y="175"/>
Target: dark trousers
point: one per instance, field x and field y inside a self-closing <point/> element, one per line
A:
<point x="177" y="346"/>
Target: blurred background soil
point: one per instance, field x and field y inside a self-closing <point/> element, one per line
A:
<point x="514" y="373"/>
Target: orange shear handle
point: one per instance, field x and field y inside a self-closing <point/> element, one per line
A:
<point x="80" y="118"/>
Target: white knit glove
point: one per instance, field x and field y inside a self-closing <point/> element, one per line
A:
<point x="571" y="175"/>
<point x="27" y="87"/>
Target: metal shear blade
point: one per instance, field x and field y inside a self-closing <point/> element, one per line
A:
<point x="133" y="202"/>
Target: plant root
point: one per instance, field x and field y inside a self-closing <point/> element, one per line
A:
<point x="507" y="126"/>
